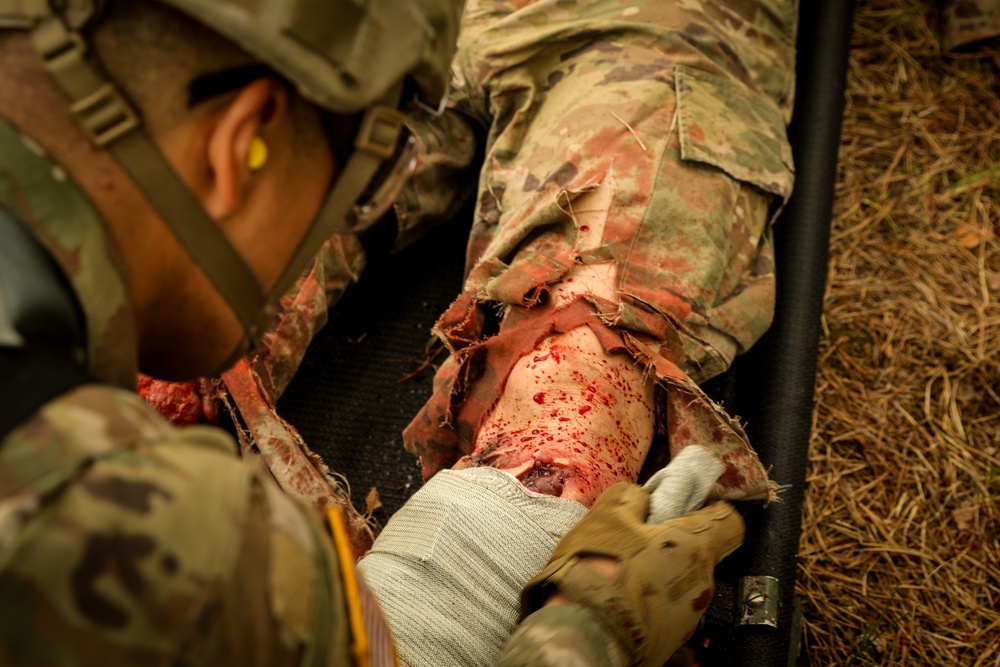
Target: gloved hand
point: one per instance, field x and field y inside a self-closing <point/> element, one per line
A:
<point x="664" y="571"/>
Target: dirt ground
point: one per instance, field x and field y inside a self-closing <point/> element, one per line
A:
<point x="900" y="555"/>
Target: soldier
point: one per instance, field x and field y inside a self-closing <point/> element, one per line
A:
<point x="634" y="157"/>
<point x="166" y="169"/>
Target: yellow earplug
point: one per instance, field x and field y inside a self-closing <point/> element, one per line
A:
<point x="257" y="155"/>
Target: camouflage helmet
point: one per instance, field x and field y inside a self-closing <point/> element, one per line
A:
<point x="346" y="56"/>
<point x="341" y="54"/>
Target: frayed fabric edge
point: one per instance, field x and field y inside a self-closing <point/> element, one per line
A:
<point x="470" y="383"/>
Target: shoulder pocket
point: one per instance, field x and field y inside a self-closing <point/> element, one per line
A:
<point x="723" y="123"/>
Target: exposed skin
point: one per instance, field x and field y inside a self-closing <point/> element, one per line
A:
<point x="594" y="405"/>
<point x="264" y="213"/>
<point x="573" y="419"/>
<point x="185" y="328"/>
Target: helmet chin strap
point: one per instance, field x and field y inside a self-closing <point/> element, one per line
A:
<point x="110" y="122"/>
<point x="375" y="143"/>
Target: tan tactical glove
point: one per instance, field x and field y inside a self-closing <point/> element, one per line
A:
<point x="664" y="578"/>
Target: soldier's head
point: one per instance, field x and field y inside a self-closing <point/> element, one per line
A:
<point x="274" y="122"/>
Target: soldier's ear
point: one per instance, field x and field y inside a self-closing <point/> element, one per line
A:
<point x="245" y="145"/>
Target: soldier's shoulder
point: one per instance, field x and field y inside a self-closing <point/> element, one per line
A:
<point x="102" y="455"/>
<point x="112" y="521"/>
<point x="96" y="423"/>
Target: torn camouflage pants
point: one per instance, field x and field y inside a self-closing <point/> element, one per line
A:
<point x="680" y="110"/>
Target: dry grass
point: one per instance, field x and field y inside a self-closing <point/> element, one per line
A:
<point x="900" y="556"/>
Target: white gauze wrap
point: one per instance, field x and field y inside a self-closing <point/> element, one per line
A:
<point x="683" y="486"/>
<point x="449" y="567"/>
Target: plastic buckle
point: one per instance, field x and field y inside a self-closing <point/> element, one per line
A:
<point x="105" y="115"/>
<point x="379" y="131"/>
<point x="23" y="14"/>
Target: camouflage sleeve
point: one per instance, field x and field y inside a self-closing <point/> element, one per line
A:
<point x="285" y="603"/>
<point x="124" y="540"/>
<point x="444" y="177"/>
<point x="564" y="634"/>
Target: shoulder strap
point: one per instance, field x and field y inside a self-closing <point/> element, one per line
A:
<point x="32" y="376"/>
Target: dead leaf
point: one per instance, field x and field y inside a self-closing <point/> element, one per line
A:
<point x="942" y="201"/>
<point x="964" y="516"/>
<point x="372" y="502"/>
<point x="968" y="237"/>
<point x="965" y="392"/>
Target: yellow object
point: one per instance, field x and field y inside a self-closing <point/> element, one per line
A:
<point x="345" y="554"/>
<point x="257" y="155"/>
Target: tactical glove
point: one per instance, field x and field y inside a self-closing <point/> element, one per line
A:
<point x="664" y="577"/>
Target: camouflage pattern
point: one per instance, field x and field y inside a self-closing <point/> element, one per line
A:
<point x="251" y="388"/>
<point x="663" y="583"/>
<point x="566" y="635"/>
<point x="296" y="468"/>
<point x="446" y="155"/>
<point x="124" y="540"/>
<point x="37" y="191"/>
<point x="965" y="23"/>
<point x="680" y="107"/>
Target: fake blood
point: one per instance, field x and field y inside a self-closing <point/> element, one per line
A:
<point x="583" y="440"/>
<point x="181" y="403"/>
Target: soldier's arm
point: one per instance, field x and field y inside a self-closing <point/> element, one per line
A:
<point x="619" y="591"/>
<point x="285" y="602"/>
<point x="560" y="635"/>
<point x="128" y="541"/>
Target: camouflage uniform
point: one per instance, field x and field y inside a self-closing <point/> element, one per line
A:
<point x="967" y="22"/>
<point x="563" y="635"/>
<point x="125" y="540"/>
<point x="679" y="107"/>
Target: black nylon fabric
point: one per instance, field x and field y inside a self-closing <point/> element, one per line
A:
<point x="772" y="386"/>
<point x="349" y="399"/>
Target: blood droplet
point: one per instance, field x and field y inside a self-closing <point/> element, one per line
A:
<point x="539" y="397"/>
